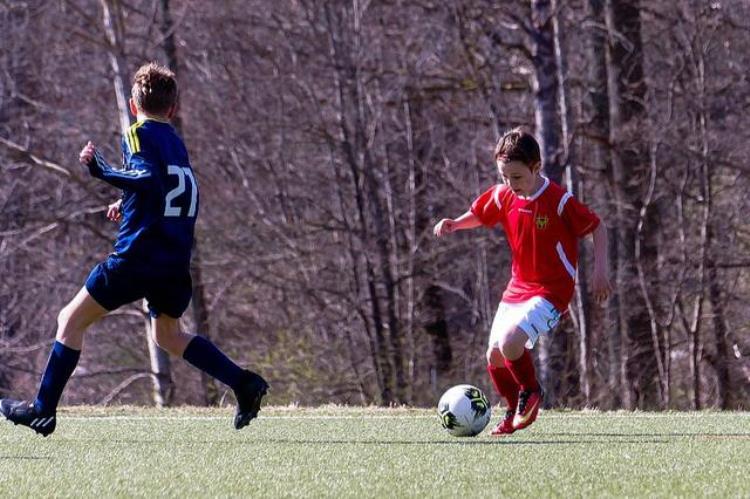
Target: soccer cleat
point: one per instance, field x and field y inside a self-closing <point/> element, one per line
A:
<point x="249" y="396"/>
<point x="26" y="414"/>
<point x="528" y="408"/>
<point x="505" y="425"/>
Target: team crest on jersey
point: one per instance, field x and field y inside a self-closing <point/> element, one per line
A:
<point x="542" y="221"/>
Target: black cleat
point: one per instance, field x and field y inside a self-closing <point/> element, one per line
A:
<point x="26" y="414"/>
<point x="249" y="397"/>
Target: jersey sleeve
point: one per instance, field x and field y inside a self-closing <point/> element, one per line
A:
<point x="488" y="206"/>
<point x="139" y="176"/>
<point x="138" y="168"/>
<point x="577" y="216"/>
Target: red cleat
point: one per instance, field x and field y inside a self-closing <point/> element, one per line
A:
<point x="505" y="425"/>
<point x="528" y="407"/>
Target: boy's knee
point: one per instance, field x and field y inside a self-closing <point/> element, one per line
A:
<point x="69" y="331"/>
<point x="65" y="321"/>
<point x="512" y="344"/>
<point x="511" y="350"/>
<point x="62" y="318"/>
<point x="495" y="357"/>
<point x="169" y="337"/>
<point x="164" y="338"/>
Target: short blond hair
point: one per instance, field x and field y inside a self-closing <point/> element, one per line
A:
<point x="154" y="88"/>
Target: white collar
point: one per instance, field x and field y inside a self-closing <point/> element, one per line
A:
<point x="538" y="192"/>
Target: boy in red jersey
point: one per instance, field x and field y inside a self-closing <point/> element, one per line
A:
<point x="543" y="223"/>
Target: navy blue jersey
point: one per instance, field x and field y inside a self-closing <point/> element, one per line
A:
<point x="159" y="195"/>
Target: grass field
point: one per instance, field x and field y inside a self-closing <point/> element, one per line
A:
<point x="349" y="452"/>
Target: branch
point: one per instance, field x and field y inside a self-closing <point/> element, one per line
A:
<point x="26" y="155"/>
<point x="25" y="349"/>
<point x="122" y="386"/>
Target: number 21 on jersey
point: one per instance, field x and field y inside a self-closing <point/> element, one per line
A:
<point x="172" y="206"/>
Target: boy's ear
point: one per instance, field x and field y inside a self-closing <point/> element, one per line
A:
<point x="536" y="167"/>
<point x="133" y="108"/>
<point x="172" y="111"/>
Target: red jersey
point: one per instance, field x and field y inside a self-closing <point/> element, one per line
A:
<point x="542" y="232"/>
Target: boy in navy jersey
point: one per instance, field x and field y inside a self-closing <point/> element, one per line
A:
<point x="542" y="223"/>
<point x="151" y="257"/>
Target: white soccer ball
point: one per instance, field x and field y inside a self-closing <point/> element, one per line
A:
<point x="464" y="411"/>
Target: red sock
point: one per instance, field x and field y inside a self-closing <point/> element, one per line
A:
<point x="523" y="371"/>
<point x="505" y="385"/>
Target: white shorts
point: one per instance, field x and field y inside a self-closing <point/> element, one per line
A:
<point x="536" y="316"/>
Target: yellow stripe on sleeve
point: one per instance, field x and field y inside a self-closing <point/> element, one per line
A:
<point x="134" y="144"/>
<point x="135" y="136"/>
<point x="129" y="140"/>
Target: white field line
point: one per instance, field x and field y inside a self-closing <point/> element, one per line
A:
<point x="398" y="416"/>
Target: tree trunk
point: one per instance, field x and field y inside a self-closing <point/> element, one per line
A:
<point x="627" y="90"/>
<point x="163" y="386"/>
<point x="359" y="156"/>
<point x="113" y="27"/>
<point x="598" y="156"/>
<point x="553" y="348"/>
<point x="422" y="203"/>
<point x="581" y="305"/>
<point x="721" y="361"/>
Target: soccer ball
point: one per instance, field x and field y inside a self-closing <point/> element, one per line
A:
<point x="464" y="411"/>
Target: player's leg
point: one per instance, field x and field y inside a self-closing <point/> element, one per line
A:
<point x="168" y="334"/>
<point x="520" y="364"/>
<point x="535" y="317"/>
<point x="168" y="299"/>
<point x="197" y="350"/>
<point x="249" y="387"/>
<point x="502" y="379"/>
<point x="75" y="317"/>
<point x="72" y="321"/>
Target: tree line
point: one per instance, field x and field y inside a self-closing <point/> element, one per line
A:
<point x="329" y="137"/>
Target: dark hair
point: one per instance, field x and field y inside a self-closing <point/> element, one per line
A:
<point x="518" y="145"/>
<point x="154" y="88"/>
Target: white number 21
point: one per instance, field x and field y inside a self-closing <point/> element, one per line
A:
<point x="181" y="172"/>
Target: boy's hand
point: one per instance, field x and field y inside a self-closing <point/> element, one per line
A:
<point x="113" y="211"/>
<point x="87" y="153"/>
<point x="601" y="287"/>
<point x="445" y="226"/>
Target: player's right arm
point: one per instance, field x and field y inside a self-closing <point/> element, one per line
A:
<point x="137" y="178"/>
<point x="466" y="221"/>
<point x="485" y="210"/>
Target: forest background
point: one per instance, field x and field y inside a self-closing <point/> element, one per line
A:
<point x="329" y="136"/>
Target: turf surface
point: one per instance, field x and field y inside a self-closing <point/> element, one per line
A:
<point x="348" y="452"/>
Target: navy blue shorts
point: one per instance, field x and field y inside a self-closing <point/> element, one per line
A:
<point x="118" y="281"/>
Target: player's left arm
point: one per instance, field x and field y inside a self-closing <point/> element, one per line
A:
<point x="114" y="211"/>
<point x="586" y="224"/>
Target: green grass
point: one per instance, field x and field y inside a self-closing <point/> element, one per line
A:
<point x="351" y="452"/>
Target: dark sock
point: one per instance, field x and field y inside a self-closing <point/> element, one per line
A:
<point x="204" y="355"/>
<point x="523" y="371"/>
<point x="60" y="366"/>
<point x="505" y="385"/>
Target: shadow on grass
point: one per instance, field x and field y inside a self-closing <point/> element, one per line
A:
<point x="460" y="442"/>
<point x="294" y="441"/>
<point x="591" y="439"/>
<point x="673" y="435"/>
